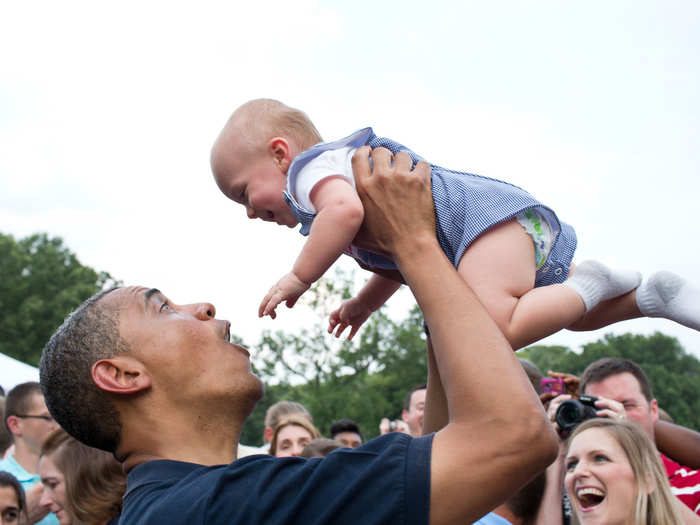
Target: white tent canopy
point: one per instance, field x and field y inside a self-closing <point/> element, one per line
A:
<point x="13" y="372"/>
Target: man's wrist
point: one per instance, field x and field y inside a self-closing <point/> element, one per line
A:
<point x="409" y="249"/>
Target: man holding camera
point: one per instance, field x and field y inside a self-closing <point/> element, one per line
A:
<point x="618" y="388"/>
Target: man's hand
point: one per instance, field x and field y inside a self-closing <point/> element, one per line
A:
<point x="352" y="313"/>
<point x="397" y="425"/>
<point x="610" y="408"/>
<point x="289" y="288"/>
<point x="571" y="383"/>
<point x="552" y="410"/>
<point x="387" y="191"/>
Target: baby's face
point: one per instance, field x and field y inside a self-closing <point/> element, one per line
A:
<point x="258" y="186"/>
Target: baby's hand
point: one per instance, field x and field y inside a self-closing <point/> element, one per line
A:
<point x="353" y="313"/>
<point x="289" y="288"/>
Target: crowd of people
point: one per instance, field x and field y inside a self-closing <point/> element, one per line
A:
<point x="609" y="469"/>
<point x="141" y="403"/>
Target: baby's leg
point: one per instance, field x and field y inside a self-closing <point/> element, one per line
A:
<point x="500" y="267"/>
<point x="664" y="295"/>
<point x="622" y="308"/>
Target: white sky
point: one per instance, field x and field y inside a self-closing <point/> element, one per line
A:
<point x="108" y="111"/>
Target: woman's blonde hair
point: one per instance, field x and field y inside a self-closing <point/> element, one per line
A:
<point x="95" y="481"/>
<point x="654" y="505"/>
<point x="292" y="420"/>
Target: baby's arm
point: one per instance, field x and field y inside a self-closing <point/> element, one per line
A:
<point x="355" y="311"/>
<point x="339" y="216"/>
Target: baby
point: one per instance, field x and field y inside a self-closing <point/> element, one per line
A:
<point x="512" y="250"/>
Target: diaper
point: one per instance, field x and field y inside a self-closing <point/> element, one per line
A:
<point x="538" y="228"/>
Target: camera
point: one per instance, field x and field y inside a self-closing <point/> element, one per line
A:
<point x="574" y="411"/>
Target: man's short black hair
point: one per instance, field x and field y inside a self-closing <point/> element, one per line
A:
<point x="533" y="374"/>
<point x="89" y="334"/>
<point x="601" y="369"/>
<point x="345" y="425"/>
<point x="19" y="400"/>
<point x="407" y="400"/>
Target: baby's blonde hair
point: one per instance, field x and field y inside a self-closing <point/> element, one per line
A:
<point x="261" y="119"/>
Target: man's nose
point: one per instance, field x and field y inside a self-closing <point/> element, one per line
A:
<point x="250" y="212"/>
<point x="204" y="311"/>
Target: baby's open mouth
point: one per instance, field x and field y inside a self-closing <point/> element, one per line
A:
<point x="590" y="497"/>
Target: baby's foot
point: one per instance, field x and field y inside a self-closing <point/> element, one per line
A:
<point x="595" y="282"/>
<point x="668" y="295"/>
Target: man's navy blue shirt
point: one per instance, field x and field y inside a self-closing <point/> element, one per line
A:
<point x="386" y="480"/>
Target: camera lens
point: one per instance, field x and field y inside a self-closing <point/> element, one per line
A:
<point x="569" y="414"/>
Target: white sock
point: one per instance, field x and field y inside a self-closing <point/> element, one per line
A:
<point x="595" y="282"/>
<point x="668" y="295"/>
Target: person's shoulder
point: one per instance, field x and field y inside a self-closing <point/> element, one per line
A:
<point x="173" y="491"/>
<point x="9" y="464"/>
<point x="673" y="468"/>
<point x="679" y="475"/>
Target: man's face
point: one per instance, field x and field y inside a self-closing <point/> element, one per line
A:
<point x="414" y="415"/>
<point x="349" y="439"/>
<point x="35" y="425"/>
<point x="624" y="388"/>
<point x="185" y="350"/>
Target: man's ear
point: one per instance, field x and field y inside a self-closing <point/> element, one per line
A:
<point x="120" y="375"/>
<point x="654" y="408"/>
<point x="13" y="425"/>
<point x="281" y="152"/>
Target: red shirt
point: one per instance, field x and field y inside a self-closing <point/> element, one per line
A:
<point x="685" y="483"/>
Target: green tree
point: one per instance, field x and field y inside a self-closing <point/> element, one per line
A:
<point x="365" y="379"/>
<point x="41" y="281"/>
<point x="674" y="374"/>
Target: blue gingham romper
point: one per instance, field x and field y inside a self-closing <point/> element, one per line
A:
<point x="466" y="205"/>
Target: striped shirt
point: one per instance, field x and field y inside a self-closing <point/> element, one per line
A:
<point x="685" y="483"/>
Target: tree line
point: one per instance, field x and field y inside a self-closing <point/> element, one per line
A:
<point x="42" y="281"/>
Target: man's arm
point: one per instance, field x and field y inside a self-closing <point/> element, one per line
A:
<point x="680" y="444"/>
<point x="497" y="437"/>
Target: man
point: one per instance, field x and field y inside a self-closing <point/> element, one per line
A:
<point x="347" y="432"/>
<point x="133" y="373"/>
<point x="625" y="390"/>
<point x="29" y="422"/>
<point x="411" y="421"/>
<point x="413" y="408"/>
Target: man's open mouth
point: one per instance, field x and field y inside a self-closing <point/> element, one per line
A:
<point x="589" y="497"/>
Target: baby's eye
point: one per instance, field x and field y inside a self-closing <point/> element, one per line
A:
<point x="165" y="306"/>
